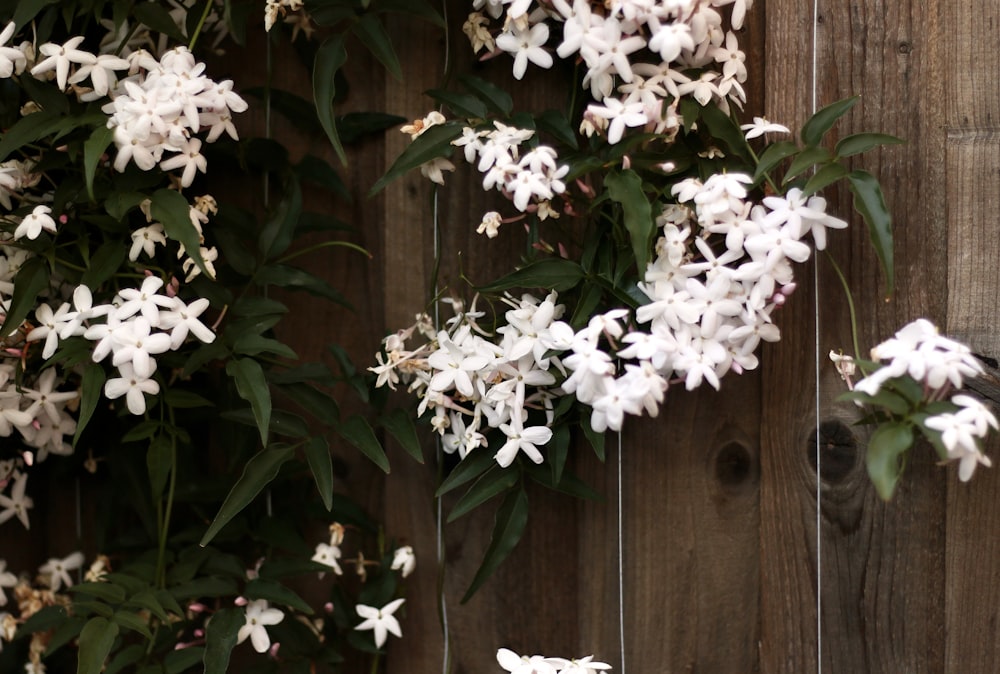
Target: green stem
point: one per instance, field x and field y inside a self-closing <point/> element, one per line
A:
<point x="850" y="307"/>
<point x="161" y="556"/>
<point x="318" y="246"/>
<point x="375" y="660"/>
<point x="767" y="176"/>
<point x="201" y="24"/>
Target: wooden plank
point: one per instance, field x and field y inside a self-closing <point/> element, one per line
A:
<point x="869" y="550"/>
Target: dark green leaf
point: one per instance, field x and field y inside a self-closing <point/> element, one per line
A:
<point x="805" y="160"/>
<point x="95" y="643"/>
<point x="93" y="150"/>
<point x="146" y="600"/>
<point x="257" y="474"/>
<point x="330" y="57"/>
<point x="559" y="452"/>
<point x="298" y="110"/>
<point x="595" y="439"/>
<point x="472" y="466"/>
<point x="28" y="10"/>
<point x="400" y="426"/>
<point x="282" y="422"/>
<point x="824" y="119"/>
<point x="181" y="399"/>
<point x="204" y="586"/>
<point x="492" y="483"/>
<point x="158" y="19"/>
<point x="253" y="345"/>
<point x="124" y="658"/>
<point x="293" y="278"/>
<point x="279" y="229"/>
<point x="132" y="621"/>
<point x="493" y="96"/>
<point x="556" y="125"/>
<point x="319" y="404"/>
<point x="179" y="661"/>
<point x="725" y="128"/>
<point x="463" y="105"/>
<point x="773" y="156"/>
<point x="372" y="34"/>
<point x="252" y="387"/>
<point x="625" y="187"/>
<point x="319" y="172"/>
<point x="91" y="389"/>
<point x="508" y="527"/>
<point x="172" y="210"/>
<point x="27" y="130"/>
<point x="418" y="8"/>
<point x="276" y="593"/>
<point x="433" y="143"/>
<point x="357" y="432"/>
<point x="317" y="451"/>
<point x="108" y="592"/>
<point x="862" y="142"/>
<point x="554" y="273"/>
<point x="42" y="620"/>
<point x="63" y="634"/>
<point x="220" y="638"/>
<point x="104" y="263"/>
<point x="885" y="450"/>
<point x="824" y="177"/>
<point x="159" y="463"/>
<point x="255" y="305"/>
<point x="869" y="202"/>
<point x="31" y="279"/>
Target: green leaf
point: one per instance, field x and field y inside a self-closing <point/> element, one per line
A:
<point x="595" y="439"/>
<point x="471" y="467"/>
<point x="463" y="105"/>
<point x="252" y="387"/>
<point x="824" y="119"/>
<point x="180" y="399"/>
<point x="42" y="620"/>
<point x="330" y="57"/>
<point x="372" y="34"/>
<point x="319" y="172"/>
<point x="319" y="404"/>
<point x="254" y="305"/>
<point x="293" y="278"/>
<point x="493" y="96"/>
<point x="317" y="451"/>
<point x="220" y="638"/>
<point x="279" y="230"/>
<point x="31" y="279"/>
<point x="172" y="210"/>
<point x="490" y="484"/>
<point x="131" y="621"/>
<point x="177" y="662"/>
<point x="108" y="592"/>
<point x="91" y="389"/>
<point x="159" y="463"/>
<point x="508" y="527"/>
<point x="862" y="142"/>
<point x="158" y="19"/>
<point x="357" y="432"/>
<point x="96" y="640"/>
<point x="824" y="177"/>
<point x="146" y="600"/>
<point x="125" y="657"/>
<point x="725" y="128"/>
<point x="554" y="273"/>
<point x="28" y="10"/>
<point x="885" y="450"/>
<point x="276" y="593"/>
<point x="400" y="426"/>
<point x="257" y="474"/>
<point x="556" y="125"/>
<point x="625" y="187"/>
<point x="104" y="263"/>
<point x="93" y="150"/>
<point x="26" y="130"/>
<point x="205" y="586"/>
<point x="433" y="143"/>
<point x="805" y="160"/>
<point x="869" y="202"/>
<point x="559" y="452"/>
<point x="773" y="155"/>
<point x="253" y="345"/>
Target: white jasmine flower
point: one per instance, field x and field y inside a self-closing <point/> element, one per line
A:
<point x="328" y="555"/>
<point x="59" y="58"/>
<point x="7" y="580"/>
<point x="58" y="570"/>
<point x="258" y="616"/>
<point x="380" y="620"/>
<point x="404" y="561"/>
<point x="522" y="664"/>
<point x="526" y="45"/>
<point x="132" y="386"/>
<point x="32" y="225"/>
<point x="761" y="126"/>
<point x="520" y="439"/>
<point x="18" y="503"/>
<point x="619" y="116"/>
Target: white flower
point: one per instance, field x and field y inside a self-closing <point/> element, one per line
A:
<point x="7" y="579"/>
<point x="132" y="386"/>
<point x="619" y="116"/>
<point x="18" y="503"/>
<point x="145" y="239"/>
<point x="49" y="327"/>
<point x="522" y="664"/>
<point x="761" y="126"/>
<point x="190" y="157"/>
<point x="258" y="616"/>
<point x="585" y="666"/>
<point x="526" y="45"/>
<point x="59" y="58"/>
<point x="35" y="222"/>
<point x="523" y="440"/>
<point x="182" y="319"/>
<point x="58" y="570"/>
<point x="328" y="555"/>
<point x="490" y="225"/>
<point x="381" y="620"/>
<point x="404" y="560"/>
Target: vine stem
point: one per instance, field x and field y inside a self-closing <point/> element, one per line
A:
<point x="201" y="24"/>
<point x="324" y="244"/>
<point x="850" y="307"/>
<point x="166" y="509"/>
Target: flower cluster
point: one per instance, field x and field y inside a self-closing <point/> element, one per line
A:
<point x="539" y="664"/>
<point x="958" y="424"/>
<point x="640" y="57"/>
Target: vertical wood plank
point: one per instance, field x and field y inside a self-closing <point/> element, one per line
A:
<point x="872" y="554"/>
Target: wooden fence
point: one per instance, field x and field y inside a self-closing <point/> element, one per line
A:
<point x="728" y="564"/>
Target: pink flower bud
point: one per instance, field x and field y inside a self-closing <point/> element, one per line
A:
<point x="328" y="607"/>
<point x="199" y="633"/>
<point x="240" y="601"/>
<point x="196" y="607"/>
<point x="274" y="650"/>
<point x="63" y="219"/>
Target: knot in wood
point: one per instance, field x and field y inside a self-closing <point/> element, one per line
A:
<point x="838" y="451"/>
<point x="736" y="466"/>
